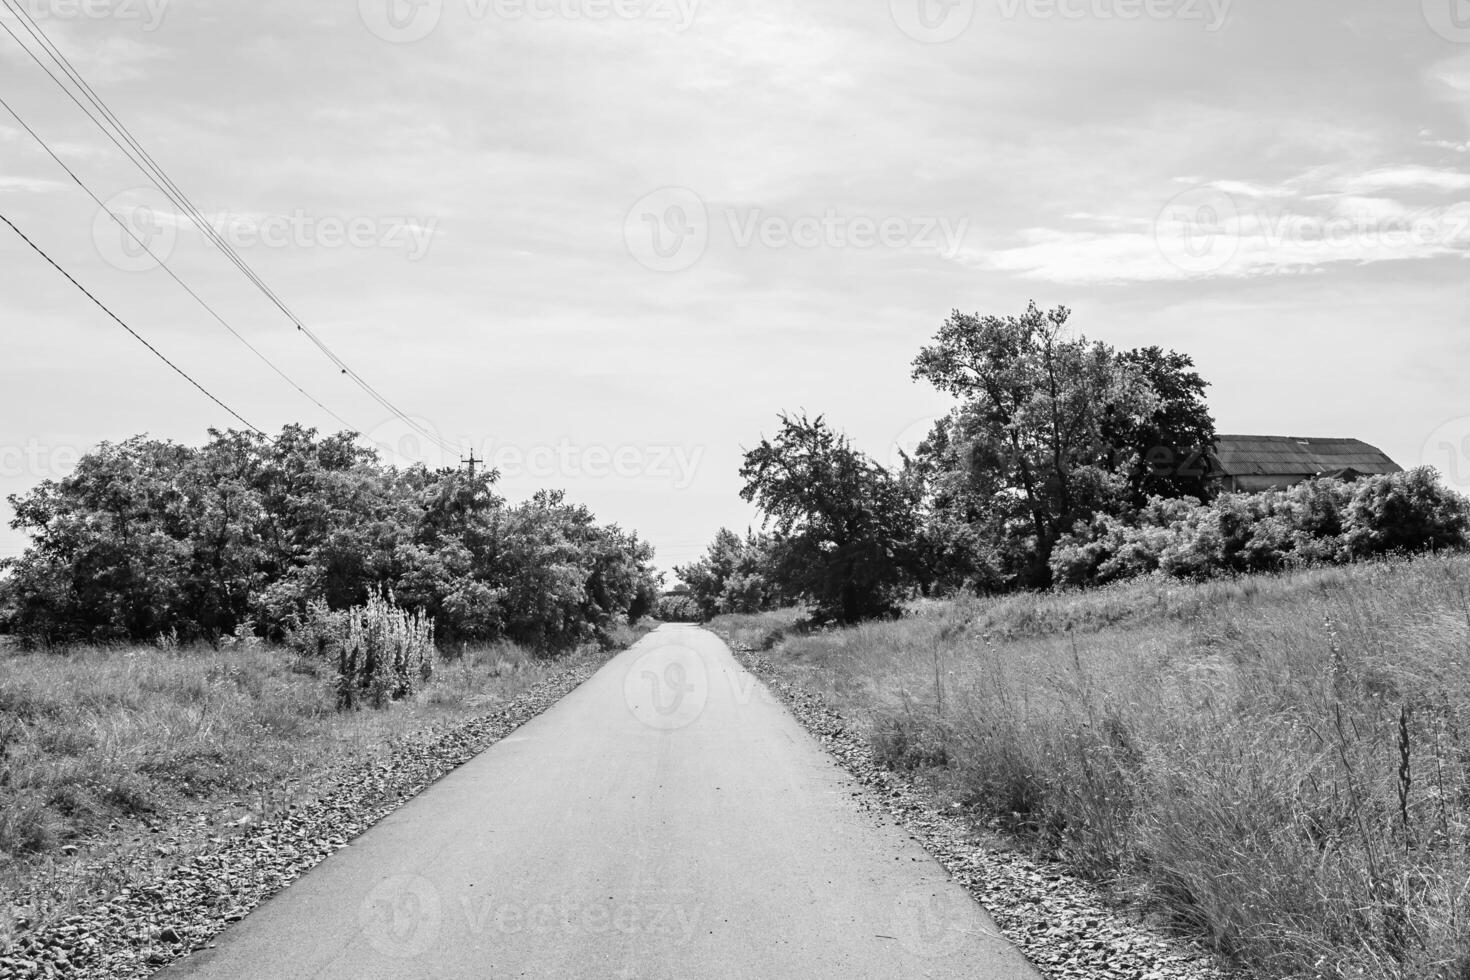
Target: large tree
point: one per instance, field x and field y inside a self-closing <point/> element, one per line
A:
<point x="1169" y="448"/>
<point x="845" y="528"/>
<point x="1029" y="441"/>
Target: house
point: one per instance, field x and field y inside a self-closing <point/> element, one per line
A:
<point x="1253" y="463"/>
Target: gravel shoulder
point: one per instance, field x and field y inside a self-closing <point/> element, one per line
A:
<point x="141" y="929"/>
<point x="1065" y="927"/>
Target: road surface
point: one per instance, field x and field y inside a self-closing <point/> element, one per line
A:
<point x="667" y="820"/>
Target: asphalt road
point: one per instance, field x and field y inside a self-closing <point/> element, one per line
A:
<point x="668" y="819"/>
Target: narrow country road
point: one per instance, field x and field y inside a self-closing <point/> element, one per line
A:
<point x="668" y="820"/>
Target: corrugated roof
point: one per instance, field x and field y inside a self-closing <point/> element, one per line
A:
<point x="1297" y="456"/>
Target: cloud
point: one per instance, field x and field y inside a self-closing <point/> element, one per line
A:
<point x="29" y="185"/>
<point x="1406" y="178"/>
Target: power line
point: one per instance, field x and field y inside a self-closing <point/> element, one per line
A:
<point x="140" y="158"/>
<point x="166" y="268"/>
<point x="136" y="336"/>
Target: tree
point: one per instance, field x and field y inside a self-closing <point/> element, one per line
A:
<point x="148" y="538"/>
<point x="733" y="575"/>
<point x="845" y="529"/>
<point x="1028" y="437"/>
<point x="1171" y="445"/>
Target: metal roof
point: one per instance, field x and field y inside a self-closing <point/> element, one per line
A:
<point x="1297" y="456"/>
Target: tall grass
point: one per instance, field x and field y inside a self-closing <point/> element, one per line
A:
<point x="1281" y="765"/>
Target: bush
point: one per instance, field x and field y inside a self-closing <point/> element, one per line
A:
<point x="383" y="654"/>
<point x="149" y="538"/>
<point x="1405" y="512"/>
<point x="1323" y="521"/>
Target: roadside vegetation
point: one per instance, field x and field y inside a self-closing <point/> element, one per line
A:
<point x="149" y="540"/>
<point x="1276" y="764"/>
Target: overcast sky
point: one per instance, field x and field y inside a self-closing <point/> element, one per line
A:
<point x="605" y="242"/>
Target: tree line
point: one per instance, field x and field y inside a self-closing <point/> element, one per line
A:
<point x="149" y="538"/>
<point x="1062" y="462"/>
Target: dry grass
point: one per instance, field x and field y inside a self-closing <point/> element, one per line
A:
<point x="108" y="752"/>
<point x="1280" y="765"/>
<point x="759" y="631"/>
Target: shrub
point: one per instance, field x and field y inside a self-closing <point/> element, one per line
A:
<point x="1322" y="521"/>
<point x="384" y="652"/>
<point x="1405" y="512"/>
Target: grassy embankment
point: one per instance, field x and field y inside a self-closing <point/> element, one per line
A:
<point x="107" y="753"/>
<point x="1280" y="765"/>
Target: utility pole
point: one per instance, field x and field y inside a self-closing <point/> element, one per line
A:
<point x="472" y="461"/>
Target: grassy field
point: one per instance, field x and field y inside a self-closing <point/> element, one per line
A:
<point x="1279" y="765"/>
<point x="105" y="755"/>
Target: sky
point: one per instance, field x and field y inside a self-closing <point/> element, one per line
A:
<point x="603" y="243"/>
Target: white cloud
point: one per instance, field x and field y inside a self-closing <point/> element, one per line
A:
<point x="1406" y="178"/>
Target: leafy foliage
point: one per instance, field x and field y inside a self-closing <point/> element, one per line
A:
<point x="148" y="538"/>
<point x="1027" y="450"/>
<point x="1323" y="521"/>
<point x="845" y="530"/>
<point x="732" y="576"/>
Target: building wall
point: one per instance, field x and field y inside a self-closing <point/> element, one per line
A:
<point x="1251" y="483"/>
